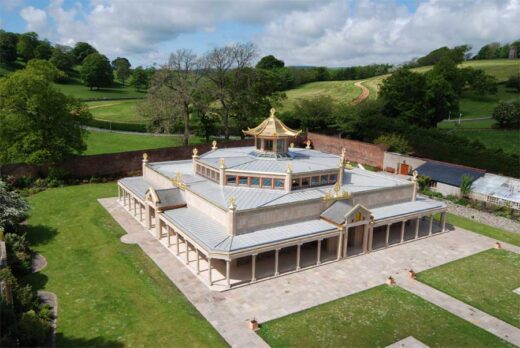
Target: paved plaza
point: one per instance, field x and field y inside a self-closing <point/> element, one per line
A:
<point x="230" y="311"/>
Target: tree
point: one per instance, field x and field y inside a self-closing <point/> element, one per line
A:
<point x="81" y="51"/>
<point x="38" y="123"/>
<point x="507" y="115"/>
<point x="26" y="45"/>
<point x="45" y="68"/>
<point x="465" y="185"/>
<point x="514" y="82"/>
<point x="395" y="143"/>
<point x="62" y="60"/>
<point x="43" y="50"/>
<point x="479" y="82"/>
<point x="270" y="62"/>
<point x="315" y="114"/>
<point x="489" y="51"/>
<point x="8" y="42"/>
<point x="122" y="68"/>
<point x="13" y="208"/>
<point x="96" y="71"/>
<point x="140" y="78"/>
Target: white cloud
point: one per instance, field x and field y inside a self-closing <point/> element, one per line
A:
<point x="326" y="32"/>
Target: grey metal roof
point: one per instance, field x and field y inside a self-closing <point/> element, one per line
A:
<point x="421" y="204"/>
<point x="170" y="197"/>
<point x="211" y="234"/>
<point x="448" y="173"/>
<point x="137" y="185"/>
<point x="498" y="186"/>
<point x="337" y="211"/>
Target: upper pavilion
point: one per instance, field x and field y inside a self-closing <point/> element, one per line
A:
<point x="272" y="137"/>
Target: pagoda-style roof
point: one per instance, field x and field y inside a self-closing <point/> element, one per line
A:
<point x="272" y="127"/>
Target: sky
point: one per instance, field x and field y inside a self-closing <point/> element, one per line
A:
<point x="300" y="32"/>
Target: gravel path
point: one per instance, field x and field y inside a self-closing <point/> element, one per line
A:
<point x="484" y="217"/>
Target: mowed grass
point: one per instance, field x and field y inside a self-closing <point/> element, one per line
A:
<point x="76" y="89"/>
<point x="341" y="91"/>
<point x="124" y="111"/>
<point x="110" y="294"/>
<point x="507" y="140"/>
<point x="485" y="281"/>
<point x="486" y="230"/>
<point x="475" y="105"/>
<point x="375" y="318"/>
<point x="99" y="142"/>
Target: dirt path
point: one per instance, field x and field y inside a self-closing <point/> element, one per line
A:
<point x="102" y="106"/>
<point x="364" y="93"/>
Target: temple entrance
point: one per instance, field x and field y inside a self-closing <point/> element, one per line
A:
<point x="355" y="240"/>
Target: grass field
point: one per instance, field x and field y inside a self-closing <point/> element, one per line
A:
<point x="485" y="281"/>
<point x="343" y="91"/>
<point x="486" y="230"/>
<point x="108" y="142"/>
<point x="110" y="294"/>
<point x="474" y="105"/>
<point x="507" y="140"/>
<point x="375" y="318"/>
<point x="78" y="90"/>
<point x="116" y="111"/>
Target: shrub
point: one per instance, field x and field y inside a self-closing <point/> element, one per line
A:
<point x="424" y="182"/>
<point x="31" y="330"/>
<point x="395" y="142"/>
<point x="465" y="185"/>
<point x="13" y="208"/>
<point x="514" y="82"/>
<point x="507" y="115"/>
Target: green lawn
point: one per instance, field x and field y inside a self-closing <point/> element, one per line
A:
<point x="110" y="294"/>
<point x="477" y="124"/>
<point x="485" y="281"/>
<point x="343" y="91"/>
<point x="107" y="142"/>
<point x="124" y="111"/>
<point x="486" y="230"/>
<point x="76" y="89"/>
<point x="474" y="105"/>
<point x="507" y="140"/>
<point x="375" y="318"/>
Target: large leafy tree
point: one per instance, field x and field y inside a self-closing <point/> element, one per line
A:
<point x="62" y="60"/>
<point x="81" y="51"/>
<point x="140" y="78"/>
<point x="26" y="45"/>
<point x="8" y="43"/>
<point x="122" y="68"/>
<point x="270" y="62"/>
<point x="38" y="123"/>
<point x="96" y="71"/>
<point x="43" y="50"/>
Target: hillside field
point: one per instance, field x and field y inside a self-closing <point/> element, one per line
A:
<point x="116" y="111"/>
<point x="343" y="91"/>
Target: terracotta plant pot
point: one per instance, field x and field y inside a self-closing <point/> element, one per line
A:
<point x="253" y="325"/>
<point x="411" y="274"/>
<point x="498" y="245"/>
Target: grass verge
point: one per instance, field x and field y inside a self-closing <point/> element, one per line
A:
<point x="375" y="318"/>
<point x="485" y="281"/>
<point x="110" y="294"/>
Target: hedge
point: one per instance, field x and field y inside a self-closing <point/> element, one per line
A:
<point x="120" y="126"/>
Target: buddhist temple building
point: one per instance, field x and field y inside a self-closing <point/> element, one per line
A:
<point x="235" y="216"/>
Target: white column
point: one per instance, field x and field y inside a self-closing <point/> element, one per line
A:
<point x="253" y="268"/>
<point x="119" y="193"/>
<point x="148" y="217"/>
<point x="318" y="256"/>
<point x="431" y="226"/>
<point x="298" y="252"/>
<point x="187" y="252"/>
<point x="135" y="207"/>
<point x="345" y="245"/>
<point x="443" y="222"/>
<point x="168" y="232"/>
<point x="210" y="279"/>
<point x="158" y="228"/>
<point x="176" y="243"/>
<point x="402" y="230"/>
<point x="365" y="238"/>
<point x="370" y="237"/>
<point x="140" y="212"/>
<point x="228" y="265"/>
<point x="276" y="261"/>
<point x="198" y="260"/>
<point x="387" y="234"/>
<point x="417" y="228"/>
<point x="340" y="245"/>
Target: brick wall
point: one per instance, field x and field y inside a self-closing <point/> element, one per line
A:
<point x="113" y="164"/>
<point x="356" y="151"/>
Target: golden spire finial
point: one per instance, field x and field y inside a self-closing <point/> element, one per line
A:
<point x="232" y="203"/>
<point x="272" y="112"/>
<point x="145" y="157"/>
<point x="195" y="152"/>
<point x="343" y="152"/>
<point x="214" y="145"/>
<point x="291" y="145"/>
<point x="308" y="142"/>
<point x="222" y="164"/>
<point x="349" y="165"/>
<point x="336" y="188"/>
<point x="415" y="174"/>
<point x="289" y="168"/>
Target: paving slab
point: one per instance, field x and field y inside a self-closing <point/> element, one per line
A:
<point x="408" y="342"/>
<point x="230" y="311"/>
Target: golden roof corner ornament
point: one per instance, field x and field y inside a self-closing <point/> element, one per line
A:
<point x="415" y="174"/>
<point x="343" y="152"/>
<point x="372" y="221"/>
<point x="145" y="157"/>
<point x="308" y="142"/>
<point x="214" y="145"/>
<point x="337" y="195"/>
<point x="232" y="203"/>
<point x="291" y="145"/>
<point x="178" y="182"/>
<point x="349" y="165"/>
<point x="222" y="163"/>
<point x="195" y="152"/>
<point x="272" y="112"/>
<point x="289" y="168"/>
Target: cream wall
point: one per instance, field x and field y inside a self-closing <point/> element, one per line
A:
<point x="374" y="199"/>
<point x="206" y="208"/>
<point x="156" y="179"/>
<point x="392" y="159"/>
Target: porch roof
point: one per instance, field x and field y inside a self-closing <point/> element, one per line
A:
<point x="420" y="205"/>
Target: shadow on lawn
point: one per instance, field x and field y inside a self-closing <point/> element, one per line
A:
<point x="40" y="234"/>
<point x="63" y="341"/>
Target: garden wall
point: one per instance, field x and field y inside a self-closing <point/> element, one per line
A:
<point x="113" y="164"/>
<point x="356" y="151"/>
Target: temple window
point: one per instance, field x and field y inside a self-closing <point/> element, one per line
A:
<point x="258" y="144"/>
<point x="242" y="180"/>
<point x="255" y="181"/>
<point x="296" y="183"/>
<point x="268" y="145"/>
<point x="315" y="181"/>
<point x="333" y="178"/>
<point x="324" y="179"/>
<point x="267" y="182"/>
<point x="305" y="182"/>
<point x="278" y="183"/>
<point x="231" y="180"/>
<point x="280" y="145"/>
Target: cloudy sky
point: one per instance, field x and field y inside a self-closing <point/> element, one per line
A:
<point x="301" y="32"/>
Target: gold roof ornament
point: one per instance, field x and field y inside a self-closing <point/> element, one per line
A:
<point x="272" y="127"/>
<point x="178" y="182"/>
<point x="195" y="152"/>
<point x="222" y="163"/>
<point x="214" y="145"/>
<point x="232" y="203"/>
<point x="348" y="165"/>
<point x="415" y="174"/>
<point x="343" y="152"/>
<point x="289" y="168"/>
<point x="338" y="194"/>
<point x="308" y="142"/>
<point x="291" y="145"/>
<point x="372" y="221"/>
<point x="145" y="157"/>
